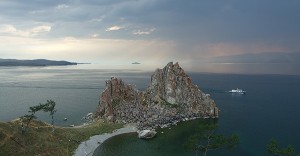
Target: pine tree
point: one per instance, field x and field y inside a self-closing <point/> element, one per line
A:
<point x="206" y="139"/>
<point x="274" y="149"/>
<point x="50" y="107"/>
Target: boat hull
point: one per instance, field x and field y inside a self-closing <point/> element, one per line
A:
<point x="237" y="91"/>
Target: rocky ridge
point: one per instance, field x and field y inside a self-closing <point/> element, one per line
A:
<point x="170" y="98"/>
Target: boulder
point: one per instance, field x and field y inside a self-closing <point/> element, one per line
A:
<point x="146" y="134"/>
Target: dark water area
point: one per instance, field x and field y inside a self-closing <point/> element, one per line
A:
<point x="268" y="110"/>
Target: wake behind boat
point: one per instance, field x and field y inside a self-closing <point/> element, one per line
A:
<point x="237" y="91"/>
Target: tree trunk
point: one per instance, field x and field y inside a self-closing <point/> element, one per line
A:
<point x="204" y="154"/>
<point x="52" y="122"/>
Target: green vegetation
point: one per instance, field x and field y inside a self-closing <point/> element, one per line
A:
<point x="39" y="140"/>
<point x="49" y="106"/>
<point x="274" y="149"/>
<point x="206" y="139"/>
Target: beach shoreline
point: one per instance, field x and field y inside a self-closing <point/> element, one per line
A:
<point x="88" y="147"/>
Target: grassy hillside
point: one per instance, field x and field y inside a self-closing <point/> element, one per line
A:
<point x="38" y="140"/>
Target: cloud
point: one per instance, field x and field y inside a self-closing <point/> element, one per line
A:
<point x="139" y="32"/>
<point x="70" y="39"/>
<point x="40" y="29"/>
<point x="7" y="29"/>
<point x="95" y="35"/>
<point x="146" y="32"/>
<point x="62" y="6"/>
<point x="95" y="50"/>
<point x="198" y="29"/>
<point x="12" y="30"/>
<point x="114" y="28"/>
<point x="96" y="20"/>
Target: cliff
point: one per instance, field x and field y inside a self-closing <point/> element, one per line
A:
<point x="171" y="97"/>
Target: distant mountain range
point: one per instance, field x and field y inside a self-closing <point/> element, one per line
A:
<point x="37" y="62"/>
<point x="257" y="58"/>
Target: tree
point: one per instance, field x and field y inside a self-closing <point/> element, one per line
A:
<point x="274" y="149"/>
<point x="206" y="139"/>
<point x="50" y="107"/>
<point x="29" y="117"/>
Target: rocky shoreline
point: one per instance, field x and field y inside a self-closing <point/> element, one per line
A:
<point x="171" y="97"/>
<point x="171" y="122"/>
<point x="88" y="147"/>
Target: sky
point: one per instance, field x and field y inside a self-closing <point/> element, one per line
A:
<point x="202" y="35"/>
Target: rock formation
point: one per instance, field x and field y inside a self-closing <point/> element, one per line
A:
<point x="146" y="134"/>
<point x="171" y="97"/>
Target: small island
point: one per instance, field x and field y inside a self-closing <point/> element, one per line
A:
<point x="37" y="62"/>
<point x="135" y="63"/>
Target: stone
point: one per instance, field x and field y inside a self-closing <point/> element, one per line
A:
<point x="171" y="97"/>
<point x="110" y="118"/>
<point x="146" y="134"/>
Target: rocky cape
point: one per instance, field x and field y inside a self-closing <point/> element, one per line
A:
<point x="171" y="97"/>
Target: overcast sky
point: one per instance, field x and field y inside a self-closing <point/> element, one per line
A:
<point x="153" y="32"/>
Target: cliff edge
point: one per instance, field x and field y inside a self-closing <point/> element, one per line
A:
<point x="171" y="97"/>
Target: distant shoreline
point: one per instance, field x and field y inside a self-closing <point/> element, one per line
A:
<point x="35" y="63"/>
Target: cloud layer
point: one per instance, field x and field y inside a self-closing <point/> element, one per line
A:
<point x="13" y="31"/>
<point x="147" y="30"/>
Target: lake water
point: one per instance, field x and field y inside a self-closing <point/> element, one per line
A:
<point x="269" y="109"/>
<point x="75" y="89"/>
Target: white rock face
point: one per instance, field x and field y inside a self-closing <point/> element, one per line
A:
<point x="146" y="134"/>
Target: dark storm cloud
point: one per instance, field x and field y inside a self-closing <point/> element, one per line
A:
<point x="226" y="20"/>
<point x="190" y="21"/>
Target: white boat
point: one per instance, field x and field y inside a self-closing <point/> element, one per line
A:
<point x="238" y="91"/>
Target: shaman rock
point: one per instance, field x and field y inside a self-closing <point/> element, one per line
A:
<point x="170" y="97"/>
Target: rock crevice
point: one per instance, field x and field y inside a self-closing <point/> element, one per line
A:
<point x="171" y="97"/>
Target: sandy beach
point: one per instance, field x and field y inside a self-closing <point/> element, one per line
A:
<point x="88" y="147"/>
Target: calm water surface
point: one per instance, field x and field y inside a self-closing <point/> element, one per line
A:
<point x="75" y="90"/>
<point x="269" y="109"/>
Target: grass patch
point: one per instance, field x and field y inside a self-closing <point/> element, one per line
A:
<point x="38" y="140"/>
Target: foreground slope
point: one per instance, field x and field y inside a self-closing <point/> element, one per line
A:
<point x="39" y="139"/>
